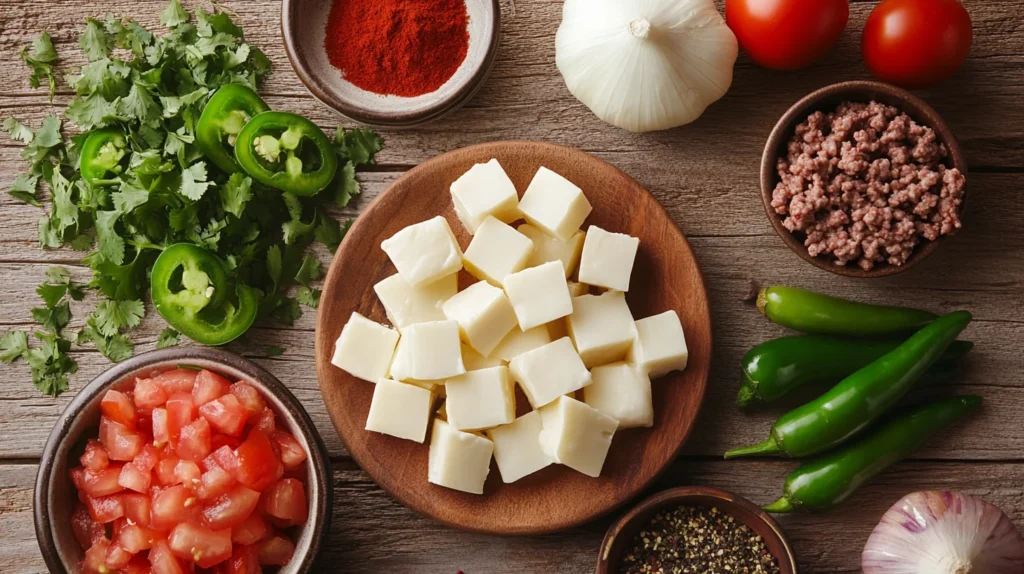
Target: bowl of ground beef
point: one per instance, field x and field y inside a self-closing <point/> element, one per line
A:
<point x="863" y="179"/>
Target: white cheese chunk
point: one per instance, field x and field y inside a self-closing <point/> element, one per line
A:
<point x="484" y="315"/>
<point x="365" y="348"/>
<point x="660" y="345"/>
<point x="424" y="252"/>
<point x="547" y="248"/>
<point x="406" y="304"/>
<point x="485" y="190"/>
<point x="518" y="342"/>
<point x="576" y="435"/>
<point x="607" y="259"/>
<point x="496" y="251"/>
<point x="554" y="204"/>
<point x="458" y="460"/>
<point x="481" y="399"/>
<point x="400" y="410"/>
<point x="539" y="294"/>
<point x="474" y="361"/>
<point x="517" y="447"/>
<point x="548" y="372"/>
<point x="622" y="392"/>
<point x="428" y="351"/>
<point x="601" y="327"/>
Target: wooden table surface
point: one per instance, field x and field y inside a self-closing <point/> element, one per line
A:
<point x="706" y="176"/>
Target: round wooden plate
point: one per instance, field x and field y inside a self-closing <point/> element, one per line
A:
<point x="665" y="276"/>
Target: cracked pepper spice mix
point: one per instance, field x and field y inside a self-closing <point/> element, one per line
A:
<point x="697" y="540"/>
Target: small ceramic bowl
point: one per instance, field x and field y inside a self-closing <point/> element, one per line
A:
<point x="827" y="99"/>
<point x="618" y="538"/>
<point x="55" y="494"/>
<point x="303" y="26"/>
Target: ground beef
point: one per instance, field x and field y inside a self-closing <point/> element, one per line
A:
<point x="867" y="184"/>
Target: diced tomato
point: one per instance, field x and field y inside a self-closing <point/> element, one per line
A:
<point x="171" y="506"/>
<point x="148" y="458"/>
<point x="276" y="550"/>
<point x="117" y="407"/>
<point x="249" y="397"/>
<point x="209" y="386"/>
<point x="96" y="557"/>
<point x="136" y="508"/>
<point x="148" y="395"/>
<point x="95" y="456"/>
<point x="121" y="442"/>
<point x="201" y="545"/>
<point x="292" y="453"/>
<point x="224" y="457"/>
<point x="264" y="422"/>
<point x="220" y="439"/>
<point x="163" y="561"/>
<point x="87" y="531"/>
<point x="187" y="473"/>
<point x="101" y="483"/>
<point x="214" y="483"/>
<point x="177" y="380"/>
<point x="165" y="471"/>
<point x="231" y="508"/>
<point x="135" y="538"/>
<point x="117" y="557"/>
<point x="244" y="560"/>
<point x="105" y="509"/>
<point x="225" y="415"/>
<point x="161" y="428"/>
<point x="180" y="412"/>
<point x="134" y="478"/>
<point x="253" y="529"/>
<point x="137" y="565"/>
<point x="285" y="502"/>
<point x="194" y="442"/>
<point x="258" y="464"/>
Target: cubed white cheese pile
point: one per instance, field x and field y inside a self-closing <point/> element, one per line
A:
<point x="525" y="323"/>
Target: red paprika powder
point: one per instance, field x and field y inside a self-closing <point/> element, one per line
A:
<point x="397" y="47"/>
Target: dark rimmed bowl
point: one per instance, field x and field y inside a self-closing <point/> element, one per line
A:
<point x="55" y="494"/>
<point x="827" y="99"/>
<point x="617" y="539"/>
<point x="302" y="25"/>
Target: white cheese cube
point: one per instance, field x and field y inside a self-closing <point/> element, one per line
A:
<point x="400" y="410"/>
<point x="406" y="304"/>
<point x="428" y="351"/>
<point x="474" y="361"/>
<point x="485" y="190"/>
<point x="601" y="327"/>
<point x="539" y="295"/>
<point x="365" y="348"/>
<point x="607" y="259"/>
<point x="554" y="204"/>
<point x="548" y="372"/>
<point x="622" y="392"/>
<point x="496" y="251"/>
<point x="517" y="447"/>
<point x="518" y="342"/>
<point x="424" y="252"/>
<point x="576" y="435"/>
<point x="577" y="289"/>
<point x="660" y="345"/>
<point x="458" y="460"/>
<point x="547" y="248"/>
<point x="484" y="316"/>
<point x="481" y="399"/>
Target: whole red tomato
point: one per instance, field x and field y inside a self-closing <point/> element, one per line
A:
<point x="916" y="43"/>
<point x="786" y="34"/>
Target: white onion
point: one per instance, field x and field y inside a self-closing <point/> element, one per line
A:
<point x="944" y="533"/>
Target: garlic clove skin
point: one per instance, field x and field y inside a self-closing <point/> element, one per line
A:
<point x="645" y="65"/>
<point x="943" y="533"/>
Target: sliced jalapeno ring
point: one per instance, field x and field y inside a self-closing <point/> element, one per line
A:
<point x="224" y="116"/>
<point x="102" y="156"/>
<point x="287" y="152"/>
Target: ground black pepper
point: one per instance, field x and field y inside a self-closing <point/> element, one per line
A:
<point x="697" y="540"/>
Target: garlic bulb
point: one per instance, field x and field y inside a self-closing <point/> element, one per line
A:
<point x="645" y="65"/>
<point x="944" y="533"/>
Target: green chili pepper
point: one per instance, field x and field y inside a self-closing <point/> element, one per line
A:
<point x="858" y="400"/>
<point x="286" y="151"/>
<point x="102" y="152"/>
<point x="192" y="291"/>
<point x="230" y="108"/>
<point x="824" y="482"/>
<point x="774" y="368"/>
<point x="812" y="312"/>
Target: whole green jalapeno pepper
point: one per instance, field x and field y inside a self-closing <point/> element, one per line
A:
<point x="812" y="312"/>
<point x="860" y="399"/>
<point x="824" y="482"/>
<point x="224" y="116"/>
<point x="777" y="367"/>
<point x="287" y="152"/>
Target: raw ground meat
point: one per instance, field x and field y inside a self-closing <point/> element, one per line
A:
<point x="867" y="184"/>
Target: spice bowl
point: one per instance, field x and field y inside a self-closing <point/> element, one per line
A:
<point x="54" y="497"/>
<point x="827" y="99"/>
<point x="304" y="27"/>
<point x="618" y="540"/>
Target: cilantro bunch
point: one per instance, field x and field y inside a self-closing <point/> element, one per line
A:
<point x="153" y="88"/>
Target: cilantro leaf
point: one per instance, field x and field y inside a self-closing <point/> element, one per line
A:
<point x="330" y="232"/>
<point x="111" y="317"/>
<point x="93" y="111"/>
<point x="111" y="244"/>
<point x="309" y="271"/>
<point x="167" y="338"/>
<point x="13" y="344"/>
<point x="115" y="348"/>
<point x="193" y="181"/>
<point x="26" y="188"/>
<point x="40" y="58"/>
<point x="51" y="293"/>
<point x="345" y="185"/>
<point x="94" y="41"/>
<point x="236" y="193"/>
<point x="287" y="311"/>
<point x="53" y="318"/>
<point x="359" y="145"/>
<point x="173" y="15"/>
<point x="17" y="130"/>
<point x="139" y="105"/>
<point x="308" y="297"/>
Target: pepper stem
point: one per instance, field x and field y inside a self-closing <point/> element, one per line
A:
<point x="780" y="506"/>
<point x="762" y="300"/>
<point x="767" y="447"/>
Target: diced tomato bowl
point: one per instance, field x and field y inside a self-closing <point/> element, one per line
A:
<point x="183" y="466"/>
